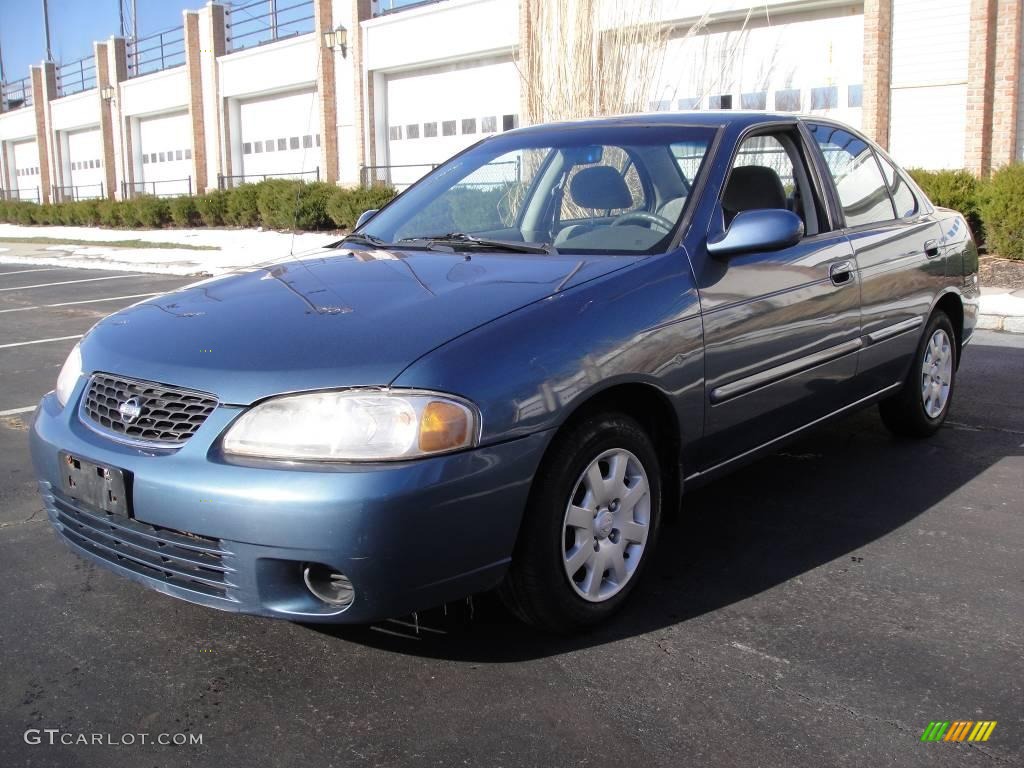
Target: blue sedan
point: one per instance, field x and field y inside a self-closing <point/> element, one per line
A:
<point x="508" y="376"/>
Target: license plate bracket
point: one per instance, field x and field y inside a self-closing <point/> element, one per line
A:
<point x="99" y="486"/>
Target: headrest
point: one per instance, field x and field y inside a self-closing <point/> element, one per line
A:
<point x="601" y="187"/>
<point x="753" y="187"/>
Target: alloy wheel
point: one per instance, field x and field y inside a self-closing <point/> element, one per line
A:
<point x="936" y="373"/>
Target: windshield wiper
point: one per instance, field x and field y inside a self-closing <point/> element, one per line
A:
<point x="364" y="239"/>
<point x="461" y="238"/>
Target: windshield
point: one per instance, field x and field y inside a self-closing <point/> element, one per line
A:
<point x="578" y="189"/>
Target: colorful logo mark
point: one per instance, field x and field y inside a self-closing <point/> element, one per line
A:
<point x="958" y="730"/>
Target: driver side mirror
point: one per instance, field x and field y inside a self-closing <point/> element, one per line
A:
<point x="769" y="229"/>
<point x="364" y="217"/>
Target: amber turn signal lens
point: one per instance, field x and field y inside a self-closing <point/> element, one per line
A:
<point x="444" y="427"/>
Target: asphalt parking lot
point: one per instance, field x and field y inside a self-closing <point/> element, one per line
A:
<point x="818" y="608"/>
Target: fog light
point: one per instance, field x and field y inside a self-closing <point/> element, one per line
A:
<point x="328" y="585"/>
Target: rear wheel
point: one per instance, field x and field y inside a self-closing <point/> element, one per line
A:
<point x="921" y="406"/>
<point x="593" y="518"/>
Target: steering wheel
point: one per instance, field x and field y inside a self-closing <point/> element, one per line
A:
<point x="652" y="220"/>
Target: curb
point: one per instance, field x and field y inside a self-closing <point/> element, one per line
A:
<point x="1001" y="310"/>
<point x="1005" y="323"/>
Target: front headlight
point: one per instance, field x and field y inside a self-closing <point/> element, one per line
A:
<point x="354" y="425"/>
<point x="68" y="376"/>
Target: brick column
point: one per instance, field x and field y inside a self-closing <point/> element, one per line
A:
<point x="877" y="69"/>
<point x="106" y="121"/>
<point x="1006" y="86"/>
<point x="363" y="104"/>
<point x="44" y="88"/>
<point x="327" y="94"/>
<point x="121" y="166"/>
<point x="981" y="60"/>
<point x="205" y="40"/>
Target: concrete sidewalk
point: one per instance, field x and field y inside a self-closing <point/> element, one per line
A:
<point x="1002" y="310"/>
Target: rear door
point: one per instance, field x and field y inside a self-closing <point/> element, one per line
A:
<point x="897" y="247"/>
<point x="781" y="328"/>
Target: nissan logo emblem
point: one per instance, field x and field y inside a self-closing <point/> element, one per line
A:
<point x="130" y="410"/>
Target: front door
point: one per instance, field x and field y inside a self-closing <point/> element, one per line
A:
<point x="781" y="328"/>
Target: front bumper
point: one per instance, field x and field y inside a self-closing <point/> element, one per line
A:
<point x="233" y="535"/>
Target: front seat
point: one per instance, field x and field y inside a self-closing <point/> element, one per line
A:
<point x="752" y="188"/>
<point x="599" y="187"/>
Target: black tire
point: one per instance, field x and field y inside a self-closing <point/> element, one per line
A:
<point x="537" y="587"/>
<point x="904" y="413"/>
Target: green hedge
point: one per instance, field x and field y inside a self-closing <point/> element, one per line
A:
<point x="273" y="204"/>
<point x="1001" y="205"/>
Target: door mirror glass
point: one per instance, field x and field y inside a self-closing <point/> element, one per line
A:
<point x="364" y="217"/>
<point x="768" y="229"/>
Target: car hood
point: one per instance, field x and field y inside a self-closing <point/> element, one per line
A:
<point x="334" y="318"/>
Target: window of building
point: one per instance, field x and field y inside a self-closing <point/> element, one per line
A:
<point x="395" y="133"/>
<point x="757" y="100"/>
<point x="429" y="130"/>
<point x="788" y="100"/>
<point x="268" y="145"/>
<point x="723" y="101"/>
<point x="854" y="95"/>
<point x="508" y="122"/>
<point x="468" y="125"/>
<point x="448" y="128"/>
<point x="246" y="149"/>
<point x="412" y="131"/>
<point x="145" y="161"/>
<point x="188" y="154"/>
<point x="317" y="138"/>
<point x="282" y="145"/>
<point x="178" y="152"/>
<point x="257" y="147"/>
<point x="307" y="141"/>
<point x="692" y="102"/>
<point x="826" y="97"/>
<point x="293" y="142"/>
<point x="863" y="193"/>
<point x="488" y="124"/>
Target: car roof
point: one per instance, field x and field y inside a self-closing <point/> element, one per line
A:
<point x="712" y="118"/>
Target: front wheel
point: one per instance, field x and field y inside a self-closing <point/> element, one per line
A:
<point x="593" y="519"/>
<point x="921" y="406"/>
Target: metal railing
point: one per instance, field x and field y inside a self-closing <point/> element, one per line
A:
<point x="393" y="175"/>
<point x="381" y="7"/>
<point x="265" y="21"/>
<point x="31" y="195"/>
<point x="162" y="188"/>
<point x="156" y="52"/>
<point x="76" y="76"/>
<point x="75" y="192"/>
<point x="229" y="182"/>
<point x="15" y="94"/>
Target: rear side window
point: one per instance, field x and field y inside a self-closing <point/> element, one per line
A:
<point x="863" y="193"/>
<point x="902" y="196"/>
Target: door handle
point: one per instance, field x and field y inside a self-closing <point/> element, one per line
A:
<point x="841" y="273"/>
<point x="931" y="248"/>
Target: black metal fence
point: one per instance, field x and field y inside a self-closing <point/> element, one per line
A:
<point x="76" y="76"/>
<point x="162" y="188"/>
<point x="156" y="52"/>
<point x="265" y="21"/>
<point x="229" y="182"/>
<point x="73" y="193"/>
<point x="30" y="195"/>
<point x="398" y="176"/>
<point x="15" y="94"/>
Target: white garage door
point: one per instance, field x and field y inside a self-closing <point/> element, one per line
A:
<point x="433" y="114"/>
<point x="85" y="163"/>
<point x="280" y="136"/>
<point x="26" y="180"/>
<point x="165" y="145"/>
<point x="929" y="80"/>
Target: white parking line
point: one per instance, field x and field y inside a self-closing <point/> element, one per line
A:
<point x="84" y="301"/>
<point x="40" y="341"/>
<point x="16" y="411"/>
<point x="66" y="282"/>
<point x="26" y="271"/>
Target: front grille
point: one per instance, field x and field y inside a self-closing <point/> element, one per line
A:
<point x="168" y="415"/>
<point x="183" y="559"/>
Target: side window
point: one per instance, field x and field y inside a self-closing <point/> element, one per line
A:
<point x="902" y="196"/>
<point x="614" y="157"/>
<point x="863" y="193"/>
